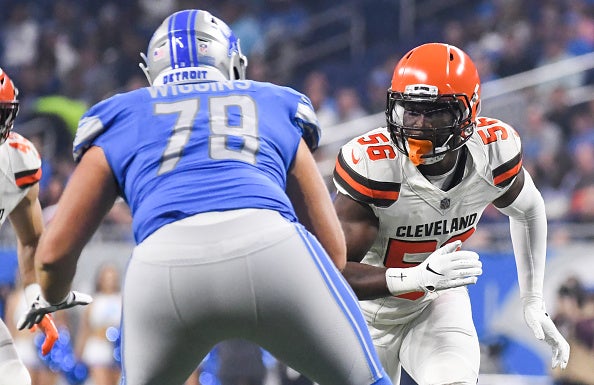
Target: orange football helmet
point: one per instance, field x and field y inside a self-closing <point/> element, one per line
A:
<point x="433" y="102"/>
<point x="9" y="105"/>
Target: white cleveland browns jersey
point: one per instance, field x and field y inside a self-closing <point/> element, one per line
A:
<point x="20" y="168"/>
<point x="416" y="217"/>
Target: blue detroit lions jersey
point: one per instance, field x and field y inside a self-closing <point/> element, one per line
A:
<point x="179" y="150"/>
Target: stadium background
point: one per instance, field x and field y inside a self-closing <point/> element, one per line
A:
<point x="536" y="60"/>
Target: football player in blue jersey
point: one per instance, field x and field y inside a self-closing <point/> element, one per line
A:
<point x="235" y="229"/>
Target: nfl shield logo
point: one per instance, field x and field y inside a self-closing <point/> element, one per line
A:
<point x="202" y="48"/>
<point x="444" y="204"/>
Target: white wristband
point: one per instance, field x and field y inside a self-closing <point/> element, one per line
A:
<point x="31" y="293"/>
<point x="401" y="281"/>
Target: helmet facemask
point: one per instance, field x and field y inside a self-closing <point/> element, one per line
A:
<point x="9" y="105"/>
<point x="8" y="112"/>
<point x="425" y="125"/>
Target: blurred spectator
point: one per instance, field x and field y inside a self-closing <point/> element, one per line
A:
<point x="581" y="181"/>
<point x="538" y="134"/>
<point x="555" y="50"/>
<point x="317" y="88"/>
<point x="348" y="105"/>
<point x="584" y="329"/>
<point x="570" y="297"/>
<point x="455" y="33"/>
<point x="517" y="52"/>
<point x="257" y="67"/>
<point x="90" y="80"/>
<point x="378" y="83"/>
<point x="549" y="172"/>
<point x="240" y="16"/>
<point x="582" y="205"/>
<point x="559" y="111"/>
<point x="575" y="319"/>
<point x="580" y="21"/>
<point x="20" y="34"/>
<point x="99" y="328"/>
<point x="485" y="63"/>
<point x="582" y="129"/>
<point x="283" y="18"/>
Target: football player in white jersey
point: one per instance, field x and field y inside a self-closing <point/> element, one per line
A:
<point x="20" y="170"/>
<point x="421" y="183"/>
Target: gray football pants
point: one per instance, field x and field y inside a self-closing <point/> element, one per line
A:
<point x="241" y="274"/>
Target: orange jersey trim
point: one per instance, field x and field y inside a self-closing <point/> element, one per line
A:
<point x="504" y="174"/>
<point x="27" y="178"/>
<point x="368" y="191"/>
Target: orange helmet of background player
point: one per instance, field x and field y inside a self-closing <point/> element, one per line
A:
<point x="9" y="105"/>
<point x="433" y="77"/>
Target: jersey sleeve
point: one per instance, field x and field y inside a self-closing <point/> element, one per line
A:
<point x="25" y="160"/>
<point x="504" y="150"/>
<point x="307" y="121"/>
<point x="93" y="123"/>
<point x="364" y="170"/>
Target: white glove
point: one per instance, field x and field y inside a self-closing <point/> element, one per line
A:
<point x="40" y="307"/>
<point x="544" y="329"/>
<point x="445" y="268"/>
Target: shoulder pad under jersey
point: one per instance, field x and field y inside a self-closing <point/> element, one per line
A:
<point x="25" y="161"/>
<point x="501" y="147"/>
<point x="367" y="169"/>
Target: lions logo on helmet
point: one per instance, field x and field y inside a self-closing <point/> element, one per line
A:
<point x="193" y="46"/>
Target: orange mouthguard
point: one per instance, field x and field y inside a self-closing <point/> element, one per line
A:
<point x="417" y="148"/>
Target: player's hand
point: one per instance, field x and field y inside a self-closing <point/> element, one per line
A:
<point x="445" y="268"/>
<point x="48" y="327"/>
<point x="544" y="329"/>
<point x="40" y="307"/>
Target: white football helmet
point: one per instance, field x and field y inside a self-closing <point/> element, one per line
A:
<point x="193" y="46"/>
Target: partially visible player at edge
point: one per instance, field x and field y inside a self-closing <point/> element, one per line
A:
<point x="20" y="166"/>
<point x="421" y="183"/>
<point x="216" y="170"/>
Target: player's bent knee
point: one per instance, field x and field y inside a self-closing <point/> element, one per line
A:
<point x="449" y="370"/>
<point x="13" y="372"/>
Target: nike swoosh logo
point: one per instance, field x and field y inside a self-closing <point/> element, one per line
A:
<point x="355" y="160"/>
<point x="431" y="270"/>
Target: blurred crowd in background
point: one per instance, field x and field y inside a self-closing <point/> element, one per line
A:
<point x="65" y="55"/>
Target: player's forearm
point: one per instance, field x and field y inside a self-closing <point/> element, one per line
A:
<point x="313" y="206"/>
<point x="528" y="226"/>
<point x="368" y="282"/>
<point x="26" y="255"/>
<point x="55" y="279"/>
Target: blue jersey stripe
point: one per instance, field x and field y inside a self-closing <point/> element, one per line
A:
<point x="180" y="41"/>
<point x="171" y="37"/>
<point x="341" y="291"/>
<point x="193" y="42"/>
